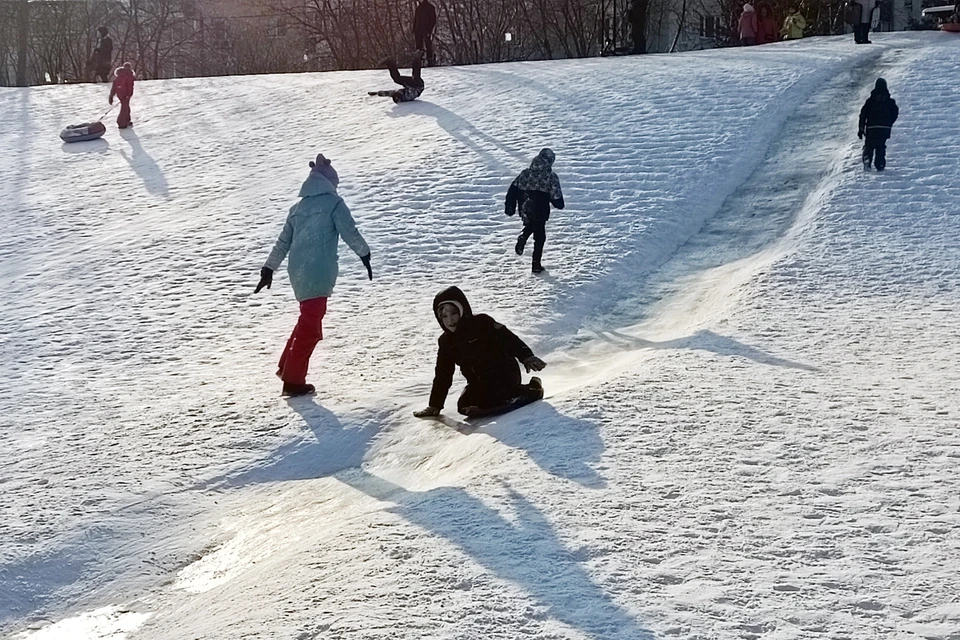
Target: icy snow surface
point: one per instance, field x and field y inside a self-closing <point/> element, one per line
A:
<point x="750" y="428"/>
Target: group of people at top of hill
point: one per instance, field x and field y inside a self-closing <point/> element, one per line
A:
<point x="759" y="25"/>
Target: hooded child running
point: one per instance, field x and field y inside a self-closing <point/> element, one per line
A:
<point x="487" y="354"/>
<point x="534" y="190"/>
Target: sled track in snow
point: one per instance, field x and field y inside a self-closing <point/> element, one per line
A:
<point x="763" y="210"/>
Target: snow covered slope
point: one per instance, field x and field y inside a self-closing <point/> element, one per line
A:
<point x="750" y="428"/>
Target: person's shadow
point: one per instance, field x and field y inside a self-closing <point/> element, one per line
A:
<point x="562" y="446"/>
<point x="327" y="448"/>
<point x="145" y="166"/>
<point x="706" y="340"/>
<point x="523" y="549"/>
<point x="481" y="143"/>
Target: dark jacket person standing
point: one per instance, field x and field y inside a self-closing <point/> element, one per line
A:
<point x="877" y="116"/>
<point x="101" y="61"/>
<point x="424" y="22"/>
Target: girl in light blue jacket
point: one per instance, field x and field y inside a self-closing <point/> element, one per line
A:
<point x="310" y="238"/>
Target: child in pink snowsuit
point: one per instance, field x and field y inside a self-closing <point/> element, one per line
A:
<point x="122" y="89"/>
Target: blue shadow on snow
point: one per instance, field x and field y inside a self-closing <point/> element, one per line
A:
<point x="524" y="550"/>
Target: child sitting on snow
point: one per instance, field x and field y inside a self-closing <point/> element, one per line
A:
<point x="412" y="85"/>
<point x="487" y="354"/>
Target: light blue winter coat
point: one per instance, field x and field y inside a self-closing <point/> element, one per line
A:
<point x="310" y="236"/>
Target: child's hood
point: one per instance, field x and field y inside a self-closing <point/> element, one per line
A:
<point x="880" y="89"/>
<point x="454" y="295"/>
<point x="316" y="185"/>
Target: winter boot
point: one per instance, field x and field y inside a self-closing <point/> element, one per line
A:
<point x="521" y="241"/>
<point x="538" y="268"/>
<point x="536" y="385"/>
<point x="292" y="390"/>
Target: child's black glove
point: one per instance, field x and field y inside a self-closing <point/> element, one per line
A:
<point x="533" y="363"/>
<point x="266" y="279"/>
<point x="860" y="134"/>
<point x="366" y="262"/>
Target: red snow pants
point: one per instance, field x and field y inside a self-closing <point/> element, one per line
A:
<point x="123" y="118"/>
<point x="305" y="336"/>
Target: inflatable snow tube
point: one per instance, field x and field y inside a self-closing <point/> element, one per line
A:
<point x="952" y="27"/>
<point x="81" y="132"/>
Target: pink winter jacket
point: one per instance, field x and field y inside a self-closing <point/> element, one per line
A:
<point x="748" y="24"/>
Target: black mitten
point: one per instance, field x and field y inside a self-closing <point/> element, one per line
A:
<point x="266" y="279"/>
<point x="366" y="262"/>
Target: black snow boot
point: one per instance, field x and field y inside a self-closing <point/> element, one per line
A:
<point x="521" y="242"/>
<point x="536" y="385"/>
<point x="291" y="390"/>
<point x="538" y="268"/>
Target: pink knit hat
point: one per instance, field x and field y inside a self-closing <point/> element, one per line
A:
<point x="323" y="167"/>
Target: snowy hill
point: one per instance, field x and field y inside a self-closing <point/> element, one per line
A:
<point x="750" y="428"/>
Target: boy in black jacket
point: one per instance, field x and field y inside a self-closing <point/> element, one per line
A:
<point x="876" y="120"/>
<point x="534" y="190"/>
<point x="487" y="354"/>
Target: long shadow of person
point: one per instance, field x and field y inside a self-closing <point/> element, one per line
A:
<point x="706" y="340"/>
<point x="523" y="549"/>
<point x="145" y="166"/>
<point x="569" y="449"/>
<point x="326" y="449"/>
<point x="483" y="144"/>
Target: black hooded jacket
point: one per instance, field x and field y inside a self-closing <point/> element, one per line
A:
<point x="424" y="18"/>
<point x="535" y="189"/>
<point x="879" y="112"/>
<point x="485" y="350"/>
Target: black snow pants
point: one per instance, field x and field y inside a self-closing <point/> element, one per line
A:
<point x="538" y="229"/>
<point x="875" y="149"/>
<point x="861" y="33"/>
<point x="414" y="81"/>
<point x="424" y="42"/>
<point x="497" y="395"/>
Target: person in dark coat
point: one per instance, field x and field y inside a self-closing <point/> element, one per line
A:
<point x="102" y="58"/>
<point x="877" y="116"/>
<point x="122" y="89"/>
<point x="424" y="22"/>
<point x="533" y="191"/>
<point x="412" y="85"/>
<point x="487" y="354"/>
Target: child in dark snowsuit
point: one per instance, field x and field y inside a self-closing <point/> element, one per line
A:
<point x="487" y="354"/>
<point x="876" y="120"/>
<point x="412" y="85"/>
<point x="122" y="89"/>
<point x="534" y="190"/>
